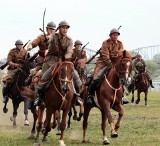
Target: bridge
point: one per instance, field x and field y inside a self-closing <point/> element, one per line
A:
<point x="148" y="53"/>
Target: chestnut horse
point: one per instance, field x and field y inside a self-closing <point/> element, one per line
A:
<point x="109" y="95"/>
<point x="142" y="85"/>
<point x="58" y="97"/>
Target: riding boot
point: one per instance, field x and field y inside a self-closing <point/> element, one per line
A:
<point x="91" y="92"/>
<point x="78" y="99"/>
<point x="150" y="82"/>
<point x="28" y="80"/>
<point x="5" y="92"/>
<point x="40" y="92"/>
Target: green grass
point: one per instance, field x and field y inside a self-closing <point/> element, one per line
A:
<point x="140" y="127"/>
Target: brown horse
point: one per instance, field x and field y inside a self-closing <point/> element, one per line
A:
<point x="111" y="99"/>
<point x="58" y="97"/>
<point x="142" y="85"/>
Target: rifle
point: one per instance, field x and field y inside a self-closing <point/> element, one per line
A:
<point x="45" y="37"/>
<point x="93" y="56"/>
<point x="4" y="65"/>
<point x="85" y="45"/>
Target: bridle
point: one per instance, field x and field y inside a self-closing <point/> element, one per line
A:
<point x="118" y="71"/>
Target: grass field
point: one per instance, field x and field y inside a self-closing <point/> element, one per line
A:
<point x="140" y="127"/>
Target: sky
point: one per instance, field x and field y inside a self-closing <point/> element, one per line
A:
<point x="90" y="21"/>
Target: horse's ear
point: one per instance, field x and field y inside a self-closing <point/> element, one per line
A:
<point x="124" y="53"/>
<point x="63" y="58"/>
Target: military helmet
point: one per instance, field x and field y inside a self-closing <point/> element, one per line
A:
<point x="114" y="30"/>
<point x="77" y="42"/>
<point x="51" y="25"/>
<point x="63" y="23"/>
<point x="138" y="56"/>
<point x="18" y="42"/>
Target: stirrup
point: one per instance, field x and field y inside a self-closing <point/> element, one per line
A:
<point x="37" y="102"/>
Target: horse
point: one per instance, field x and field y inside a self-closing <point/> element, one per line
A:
<point x="58" y="97"/>
<point x="105" y="101"/>
<point x="142" y="85"/>
<point x="14" y="91"/>
<point x="80" y="67"/>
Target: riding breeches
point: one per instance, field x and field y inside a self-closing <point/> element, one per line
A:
<point x="77" y="81"/>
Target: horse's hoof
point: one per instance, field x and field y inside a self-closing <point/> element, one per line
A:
<point x="36" y="144"/>
<point x="14" y="126"/>
<point x="31" y="137"/>
<point x="5" y="110"/>
<point x="11" y="118"/>
<point x="78" y="119"/>
<point x="137" y="102"/>
<point x="75" y="117"/>
<point x="114" y="134"/>
<point x="83" y="141"/>
<point x="105" y="142"/>
<point x="58" y="132"/>
<point x="45" y="139"/>
<point x="26" y="123"/>
<point x="61" y="143"/>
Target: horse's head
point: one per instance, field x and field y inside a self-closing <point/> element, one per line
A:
<point x="123" y="67"/>
<point x="65" y="73"/>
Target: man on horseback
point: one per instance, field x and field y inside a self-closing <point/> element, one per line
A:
<point x="78" y="54"/>
<point x="41" y="42"/>
<point x="138" y="64"/>
<point x="110" y="49"/>
<point x="60" y="45"/>
<point x="15" y="60"/>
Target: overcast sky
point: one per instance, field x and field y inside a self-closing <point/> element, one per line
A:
<point x="90" y="21"/>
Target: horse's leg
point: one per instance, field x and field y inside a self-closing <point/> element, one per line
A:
<point x="69" y="118"/>
<point x="15" y="107"/>
<point x="63" y="124"/>
<point x="138" y="97"/>
<point x="85" y="121"/>
<point x="58" y="118"/>
<point x="26" y="122"/>
<point x="47" y="123"/>
<point x="75" y="112"/>
<point x="132" y="100"/>
<point x="103" y="127"/>
<point x="120" y="115"/>
<point x="80" y="113"/>
<point x="5" y="109"/>
<point x="110" y="120"/>
<point x="35" y="116"/>
<point x="146" y="93"/>
<point x="40" y="118"/>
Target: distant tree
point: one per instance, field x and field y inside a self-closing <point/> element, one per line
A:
<point x="152" y="67"/>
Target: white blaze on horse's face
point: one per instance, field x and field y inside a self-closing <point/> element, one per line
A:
<point x="66" y="79"/>
<point x="127" y="70"/>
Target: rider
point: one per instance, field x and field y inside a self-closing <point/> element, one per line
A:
<point x="60" y="45"/>
<point x="139" y="63"/>
<point x="42" y="44"/>
<point x="110" y="48"/>
<point x="78" y="54"/>
<point x="15" y="59"/>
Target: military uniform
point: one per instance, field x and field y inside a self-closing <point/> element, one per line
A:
<point x="59" y="46"/>
<point x="137" y="65"/>
<point x="110" y="49"/>
<point x="15" y="60"/>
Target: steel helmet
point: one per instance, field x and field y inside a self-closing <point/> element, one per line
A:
<point x="63" y="23"/>
<point x="77" y="42"/>
<point x="114" y="30"/>
<point x="18" y="42"/>
<point x="51" y="25"/>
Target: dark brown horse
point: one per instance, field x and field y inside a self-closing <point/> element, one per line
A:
<point x="108" y="96"/>
<point x="14" y="91"/>
<point x="80" y="67"/>
<point x="58" y="97"/>
<point x="142" y="85"/>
